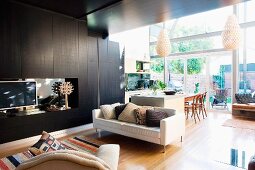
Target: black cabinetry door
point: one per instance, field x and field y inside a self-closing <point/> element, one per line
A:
<point x="36" y="50"/>
<point x="83" y="67"/>
<point x="110" y="72"/>
<point x="65" y="46"/>
<point x="92" y="73"/>
<point x="10" y="60"/>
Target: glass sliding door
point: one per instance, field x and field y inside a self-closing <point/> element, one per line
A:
<point x="220" y="69"/>
<point x="174" y="77"/>
<point x="196" y="75"/>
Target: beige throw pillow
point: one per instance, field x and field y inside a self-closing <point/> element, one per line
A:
<point x="109" y="110"/>
<point x="128" y="114"/>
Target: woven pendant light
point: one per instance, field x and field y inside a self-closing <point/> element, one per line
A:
<point x="163" y="44"/>
<point x="231" y="35"/>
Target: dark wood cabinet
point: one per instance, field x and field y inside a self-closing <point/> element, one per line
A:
<point x="10" y="60"/>
<point x="35" y="28"/>
<point x="111" y="72"/>
<point x="83" y="67"/>
<point x="35" y="43"/>
<point x="65" y="46"/>
<point x="93" y="73"/>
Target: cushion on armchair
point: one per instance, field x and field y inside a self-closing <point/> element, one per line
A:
<point x="46" y="143"/>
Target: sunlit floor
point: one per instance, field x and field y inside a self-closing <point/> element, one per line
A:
<point x="205" y="145"/>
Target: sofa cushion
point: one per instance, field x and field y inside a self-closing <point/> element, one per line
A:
<point x="141" y="130"/>
<point x="128" y="114"/>
<point x="109" y="110"/>
<point x="153" y="117"/>
<point x="46" y="143"/>
<point x="119" y="109"/>
<point x="169" y="112"/>
<point x="140" y="114"/>
<point x="244" y="98"/>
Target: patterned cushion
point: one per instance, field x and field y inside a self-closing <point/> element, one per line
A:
<point x="169" y="112"/>
<point x="119" y="109"/>
<point x="109" y="110"/>
<point x="153" y="117"/>
<point x="46" y="143"/>
<point x="244" y="98"/>
<point x="141" y="114"/>
<point x="128" y="114"/>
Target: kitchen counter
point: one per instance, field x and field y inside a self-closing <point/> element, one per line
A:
<point x="161" y="100"/>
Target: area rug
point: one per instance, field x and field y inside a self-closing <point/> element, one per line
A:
<point x="79" y="143"/>
<point x="239" y="123"/>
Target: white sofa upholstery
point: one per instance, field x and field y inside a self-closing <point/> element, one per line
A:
<point x="171" y="128"/>
<point x="107" y="158"/>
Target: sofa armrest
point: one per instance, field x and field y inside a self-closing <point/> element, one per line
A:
<point x="172" y="128"/>
<point x="63" y="159"/>
<point x="109" y="153"/>
<point x="96" y="113"/>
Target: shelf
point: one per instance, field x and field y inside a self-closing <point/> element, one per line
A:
<point x="139" y="73"/>
<point x="141" y="61"/>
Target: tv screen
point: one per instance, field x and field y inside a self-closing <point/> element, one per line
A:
<point x="17" y="94"/>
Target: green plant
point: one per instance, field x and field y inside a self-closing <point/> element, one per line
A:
<point x="197" y="88"/>
<point x="161" y="85"/>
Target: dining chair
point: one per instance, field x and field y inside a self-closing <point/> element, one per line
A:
<point x="193" y="107"/>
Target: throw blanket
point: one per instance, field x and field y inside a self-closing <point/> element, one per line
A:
<point x="79" y="143"/>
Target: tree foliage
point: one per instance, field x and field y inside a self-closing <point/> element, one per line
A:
<point x="194" y="65"/>
<point x="157" y="65"/>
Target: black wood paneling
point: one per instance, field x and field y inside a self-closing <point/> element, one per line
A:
<point x="83" y="68"/>
<point x="40" y="44"/>
<point x="10" y="60"/>
<point x="111" y="72"/>
<point x="65" y="46"/>
<point x="35" y="28"/>
<point x="93" y="72"/>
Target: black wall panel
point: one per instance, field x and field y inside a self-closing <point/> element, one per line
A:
<point x="10" y="60"/>
<point x="35" y="29"/>
<point x="93" y="72"/>
<point x="111" y="72"/>
<point x="39" y="44"/>
<point x="65" y="46"/>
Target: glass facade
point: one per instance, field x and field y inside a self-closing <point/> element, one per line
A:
<point x="198" y="58"/>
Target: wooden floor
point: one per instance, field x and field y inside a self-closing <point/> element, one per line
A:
<point x="203" y="144"/>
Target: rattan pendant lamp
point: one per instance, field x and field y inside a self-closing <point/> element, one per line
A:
<point x="163" y="47"/>
<point x="231" y="35"/>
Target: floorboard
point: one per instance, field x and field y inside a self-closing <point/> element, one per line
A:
<point x="203" y="144"/>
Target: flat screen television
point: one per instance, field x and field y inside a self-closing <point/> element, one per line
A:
<point x="15" y="94"/>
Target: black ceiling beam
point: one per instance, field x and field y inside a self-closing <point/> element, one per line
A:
<point x="100" y="8"/>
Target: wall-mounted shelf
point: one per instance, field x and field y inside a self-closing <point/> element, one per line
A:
<point x="140" y="73"/>
<point x="143" y="61"/>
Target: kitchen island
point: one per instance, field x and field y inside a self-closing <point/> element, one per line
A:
<point x="161" y="100"/>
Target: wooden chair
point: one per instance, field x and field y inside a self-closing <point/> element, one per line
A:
<point x="193" y="107"/>
<point x="201" y="105"/>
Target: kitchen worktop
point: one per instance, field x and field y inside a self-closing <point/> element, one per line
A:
<point x="161" y="100"/>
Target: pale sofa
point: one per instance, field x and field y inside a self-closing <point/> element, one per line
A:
<point x="171" y="128"/>
<point x="107" y="158"/>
